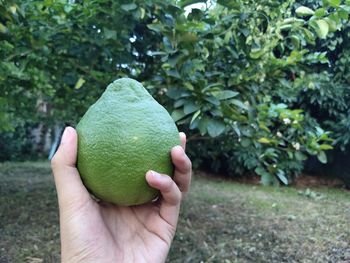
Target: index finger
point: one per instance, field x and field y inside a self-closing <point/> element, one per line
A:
<point x="183" y="168"/>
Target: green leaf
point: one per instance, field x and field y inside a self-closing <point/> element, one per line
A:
<point x="259" y="170"/>
<point x="79" y="83"/>
<point x="202" y="125"/>
<point x="332" y="24"/>
<point x="335" y="17"/>
<point x="173" y="73"/>
<point x="295" y="41"/>
<point x="179" y="103"/>
<point x="304" y="11"/>
<point x="184" y="3"/>
<point x="266" y="178"/>
<point x="264" y="140"/>
<point x="215" y="127"/>
<point x="319" y="131"/>
<point x="321" y="12"/>
<point x="224" y="94"/>
<point x="129" y="7"/>
<point x="176" y="93"/>
<point x="157" y="27"/>
<point x="281" y="175"/>
<point x="213" y="101"/>
<point x="3" y="29"/>
<point x="326" y="147"/>
<point x="188" y="38"/>
<point x="110" y="34"/>
<point x="236" y="129"/>
<point x="321" y="27"/>
<point x="190" y="107"/>
<point x="177" y="115"/>
<point x="194" y="117"/>
<point x="322" y="157"/>
<point x="189" y="86"/>
<point x="343" y="14"/>
<point x="309" y="36"/>
<point x="334" y="3"/>
<point x="239" y="104"/>
<point x="194" y="124"/>
<point x="257" y="53"/>
<point x="229" y="3"/>
<point x="264" y="127"/>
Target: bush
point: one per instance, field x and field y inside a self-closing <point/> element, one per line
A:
<point x="235" y="73"/>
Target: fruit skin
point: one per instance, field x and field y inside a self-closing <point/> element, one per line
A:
<point x="122" y="136"/>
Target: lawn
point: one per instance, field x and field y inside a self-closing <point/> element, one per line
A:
<point x="221" y="221"/>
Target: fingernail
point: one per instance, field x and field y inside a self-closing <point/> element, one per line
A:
<point x="181" y="149"/>
<point x="65" y="135"/>
<point x="156" y="175"/>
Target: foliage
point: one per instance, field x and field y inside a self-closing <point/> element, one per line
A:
<point x="257" y="85"/>
<point x="65" y="53"/>
<point x="236" y="71"/>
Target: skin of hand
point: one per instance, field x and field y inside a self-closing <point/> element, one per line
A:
<point x="93" y="231"/>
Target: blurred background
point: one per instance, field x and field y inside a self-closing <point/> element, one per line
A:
<point x="261" y="88"/>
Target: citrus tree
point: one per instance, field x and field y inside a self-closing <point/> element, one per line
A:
<point x="247" y="80"/>
<point x="235" y="71"/>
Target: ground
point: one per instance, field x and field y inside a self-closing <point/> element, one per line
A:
<point x="220" y="221"/>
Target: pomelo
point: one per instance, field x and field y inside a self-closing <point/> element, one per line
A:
<point x="122" y="136"/>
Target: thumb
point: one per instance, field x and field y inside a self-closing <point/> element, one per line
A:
<point x="70" y="189"/>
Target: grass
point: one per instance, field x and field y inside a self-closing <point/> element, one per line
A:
<point x="221" y="221"/>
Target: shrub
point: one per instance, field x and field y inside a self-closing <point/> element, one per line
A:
<point x="234" y="72"/>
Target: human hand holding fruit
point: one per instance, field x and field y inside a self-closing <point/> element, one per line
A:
<point x="94" y="231"/>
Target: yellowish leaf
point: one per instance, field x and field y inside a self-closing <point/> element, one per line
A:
<point x="79" y="83"/>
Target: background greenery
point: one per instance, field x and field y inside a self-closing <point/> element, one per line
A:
<point x="259" y="86"/>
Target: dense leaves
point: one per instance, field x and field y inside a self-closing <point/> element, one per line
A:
<point x="266" y="57"/>
<point x="258" y="86"/>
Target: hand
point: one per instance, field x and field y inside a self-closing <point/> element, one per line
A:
<point x="94" y="231"/>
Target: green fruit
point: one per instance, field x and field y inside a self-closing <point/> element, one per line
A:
<point x="122" y="136"/>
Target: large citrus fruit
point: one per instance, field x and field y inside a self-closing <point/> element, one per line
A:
<point x="122" y="136"/>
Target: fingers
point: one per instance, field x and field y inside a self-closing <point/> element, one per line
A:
<point x="172" y="189"/>
<point x="171" y="195"/>
<point x="183" y="140"/>
<point x="183" y="168"/>
<point x="67" y="179"/>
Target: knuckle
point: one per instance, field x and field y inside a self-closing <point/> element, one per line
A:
<point x="187" y="163"/>
<point x="169" y="185"/>
<point x="177" y="195"/>
<point x="174" y="191"/>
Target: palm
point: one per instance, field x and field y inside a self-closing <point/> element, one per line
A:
<point x="139" y="230"/>
<point x="129" y="234"/>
